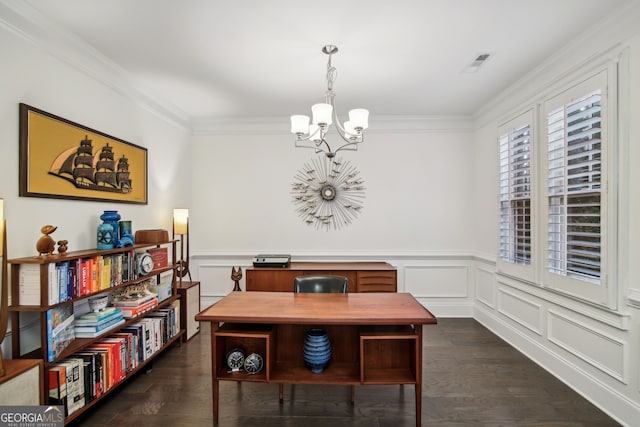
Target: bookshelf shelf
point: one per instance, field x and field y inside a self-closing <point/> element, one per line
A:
<point x="54" y="286"/>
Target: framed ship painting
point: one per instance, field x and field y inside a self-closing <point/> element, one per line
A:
<point x="64" y="160"/>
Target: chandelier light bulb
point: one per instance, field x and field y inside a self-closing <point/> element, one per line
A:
<point x="322" y="114"/>
<point x="359" y="117"/>
<point x="299" y="124"/>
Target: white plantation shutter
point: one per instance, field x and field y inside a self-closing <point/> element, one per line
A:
<point x="515" y="196"/>
<point x="574" y="186"/>
<point x="577" y="122"/>
<point x="516" y="251"/>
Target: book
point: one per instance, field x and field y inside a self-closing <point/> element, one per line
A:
<point x="160" y="257"/>
<point x="130" y="312"/>
<point x="84" y="277"/>
<point x="105" y="276"/>
<point x="96" y="318"/>
<point x="54" y="290"/>
<point x="58" y="386"/>
<point x="60" y="330"/>
<point x="87" y="376"/>
<point x="29" y="284"/>
<point x="102" y="326"/>
<point x="137" y="331"/>
<point x="94" y="361"/>
<point x="115" y="362"/>
<point x="75" y="383"/>
<point x="105" y="361"/>
<point x="62" y="269"/>
<point x="132" y="301"/>
<point x="131" y="347"/>
<point x="89" y="332"/>
<point x="122" y="353"/>
<point x="72" y="280"/>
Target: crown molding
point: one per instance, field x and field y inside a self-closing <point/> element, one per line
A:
<point x="604" y="38"/>
<point x="24" y="21"/>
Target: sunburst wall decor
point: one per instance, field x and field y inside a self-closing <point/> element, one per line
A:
<point x="328" y="193"/>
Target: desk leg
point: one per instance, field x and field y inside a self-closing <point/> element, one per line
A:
<point x="215" y="385"/>
<point x="418" y="393"/>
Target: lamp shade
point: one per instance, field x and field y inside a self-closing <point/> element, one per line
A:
<point x="359" y="118"/>
<point x="322" y="114"/>
<point x="180" y="221"/>
<point x="299" y="124"/>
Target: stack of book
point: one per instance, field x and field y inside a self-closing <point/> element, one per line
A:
<point x="135" y="305"/>
<point x="93" y="324"/>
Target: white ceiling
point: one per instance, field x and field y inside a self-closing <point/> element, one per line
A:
<point x="214" y="59"/>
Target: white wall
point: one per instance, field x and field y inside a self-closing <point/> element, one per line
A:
<point x="34" y="72"/>
<point x="418" y="195"/>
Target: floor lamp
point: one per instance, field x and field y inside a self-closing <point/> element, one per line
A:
<point x="181" y="228"/>
<point x="4" y="297"/>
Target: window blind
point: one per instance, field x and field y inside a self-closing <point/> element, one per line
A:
<point x="515" y="196"/>
<point x="574" y="189"/>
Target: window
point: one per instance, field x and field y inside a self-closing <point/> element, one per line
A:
<point x="554" y="198"/>
<point x="515" y="194"/>
<point x="577" y="240"/>
<point x="574" y="184"/>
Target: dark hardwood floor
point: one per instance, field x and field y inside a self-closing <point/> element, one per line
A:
<point x="471" y="378"/>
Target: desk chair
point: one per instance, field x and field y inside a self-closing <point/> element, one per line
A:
<point x="320" y="284"/>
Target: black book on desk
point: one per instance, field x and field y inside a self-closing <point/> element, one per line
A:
<point x="272" y="260"/>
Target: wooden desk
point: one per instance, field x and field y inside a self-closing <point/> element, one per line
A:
<point x="362" y="276"/>
<point x="376" y="338"/>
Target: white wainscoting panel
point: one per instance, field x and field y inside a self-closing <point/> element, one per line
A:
<point x="215" y="279"/>
<point x="579" y="339"/>
<point x="485" y="286"/>
<point x="521" y="309"/>
<point x="437" y="281"/>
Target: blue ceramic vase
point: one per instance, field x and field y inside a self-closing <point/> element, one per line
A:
<point x="105" y="236"/>
<point x="317" y="350"/>
<point x="126" y="234"/>
<point x="112" y="218"/>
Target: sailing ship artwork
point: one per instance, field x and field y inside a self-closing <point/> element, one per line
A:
<point x="93" y="168"/>
<point x="61" y="159"/>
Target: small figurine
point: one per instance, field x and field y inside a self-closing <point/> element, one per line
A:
<point x="236" y="275"/>
<point x="46" y="244"/>
<point x="62" y="247"/>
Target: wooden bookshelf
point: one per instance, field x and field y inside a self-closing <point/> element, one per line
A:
<point x="128" y="276"/>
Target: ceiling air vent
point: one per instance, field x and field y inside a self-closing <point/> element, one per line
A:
<point x="477" y="62"/>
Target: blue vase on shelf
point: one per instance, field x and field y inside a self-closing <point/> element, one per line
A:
<point x="126" y="234"/>
<point x="105" y="236"/>
<point x="317" y="350"/>
<point x="112" y="218"/>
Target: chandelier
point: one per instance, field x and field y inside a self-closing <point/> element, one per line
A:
<point x="311" y="133"/>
